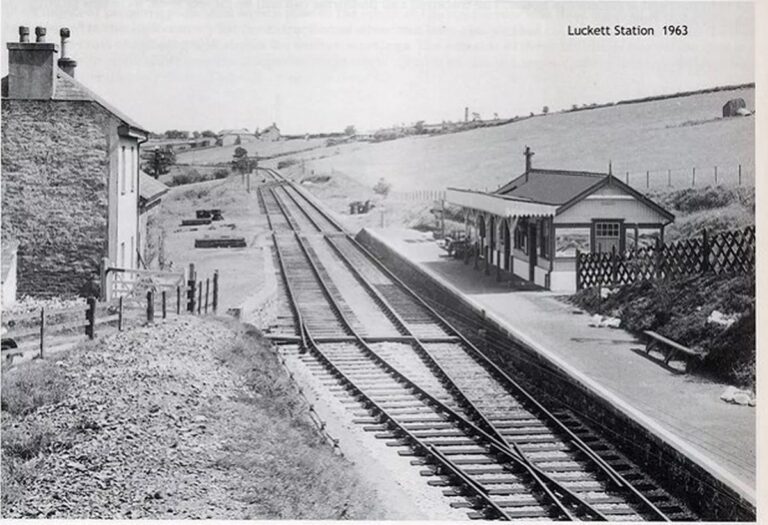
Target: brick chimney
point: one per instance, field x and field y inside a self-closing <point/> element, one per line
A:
<point x="31" y="66"/>
<point x="528" y="154"/>
<point x="66" y="63"/>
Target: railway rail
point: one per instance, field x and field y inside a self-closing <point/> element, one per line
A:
<point x="424" y="388"/>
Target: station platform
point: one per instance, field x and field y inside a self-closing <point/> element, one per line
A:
<point x="684" y="409"/>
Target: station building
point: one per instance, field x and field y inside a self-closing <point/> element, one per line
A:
<point x="533" y="226"/>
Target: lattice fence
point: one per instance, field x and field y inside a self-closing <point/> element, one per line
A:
<point x="726" y="252"/>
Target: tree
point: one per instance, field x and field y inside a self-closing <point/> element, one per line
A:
<point x="545" y="109"/>
<point x="241" y="163"/>
<point x="160" y="162"/>
<point x="195" y="134"/>
<point x="238" y="141"/>
<point x="208" y="133"/>
<point x="418" y="128"/>
<point x="350" y="130"/>
<point x="382" y="187"/>
<point x="176" y="134"/>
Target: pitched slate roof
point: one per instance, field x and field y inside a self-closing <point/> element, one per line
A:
<point x="150" y="188"/>
<point x="552" y="186"/>
<point x="565" y="188"/>
<point x="67" y="88"/>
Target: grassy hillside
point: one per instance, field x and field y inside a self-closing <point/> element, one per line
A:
<point x="262" y="149"/>
<point x="678" y="134"/>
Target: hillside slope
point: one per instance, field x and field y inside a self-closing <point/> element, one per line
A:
<point x="678" y="134"/>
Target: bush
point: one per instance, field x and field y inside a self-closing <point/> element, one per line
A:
<point x="190" y="177"/>
<point x="285" y="163"/>
<point x="221" y="173"/>
<point x="32" y="385"/>
<point x="382" y="187"/>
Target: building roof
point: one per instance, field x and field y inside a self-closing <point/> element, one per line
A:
<point x="150" y="189"/>
<point x="501" y="205"/>
<point x="551" y="186"/>
<point x="241" y="131"/>
<point x="67" y="88"/>
<point x="565" y="188"/>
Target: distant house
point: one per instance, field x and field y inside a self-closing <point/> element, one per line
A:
<point x="270" y="134"/>
<point x="70" y="184"/>
<point x="9" y="258"/>
<point x="532" y="226"/>
<point x="229" y="137"/>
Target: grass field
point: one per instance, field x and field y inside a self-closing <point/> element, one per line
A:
<point x="677" y="134"/>
<point x="262" y="149"/>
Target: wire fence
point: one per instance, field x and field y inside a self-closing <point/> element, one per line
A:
<point x="690" y="177"/>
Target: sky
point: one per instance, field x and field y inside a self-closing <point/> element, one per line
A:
<point x="313" y="66"/>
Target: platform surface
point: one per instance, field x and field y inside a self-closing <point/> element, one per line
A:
<point x="686" y="406"/>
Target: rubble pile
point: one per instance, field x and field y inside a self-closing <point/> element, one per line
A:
<point x="138" y="434"/>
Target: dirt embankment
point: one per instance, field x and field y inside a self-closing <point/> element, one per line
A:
<point x="191" y="418"/>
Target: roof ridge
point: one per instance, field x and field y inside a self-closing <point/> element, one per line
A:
<point x="570" y="172"/>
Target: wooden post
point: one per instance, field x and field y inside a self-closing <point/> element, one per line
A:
<point x="658" y="258"/>
<point x="647" y="179"/>
<point x="207" y="287"/>
<point x="103" y="281"/>
<point x="704" y="251"/>
<point x="442" y="216"/>
<point x="669" y="178"/>
<point x="120" y="314"/>
<point x="90" y="316"/>
<point x="199" y="297"/>
<point x="163" y="294"/>
<point x="42" y="332"/>
<point x="693" y="179"/>
<point x="215" y="290"/>
<point x="739" y="174"/>
<point x="150" y="307"/>
<point x="614" y="266"/>
<point x="627" y="178"/>
<point x="578" y="267"/>
<point x="191" y="291"/>
<point x="178" y="300"/>
<point x="715" y="175"/>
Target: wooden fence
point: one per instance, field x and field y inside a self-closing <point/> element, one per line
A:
<point x="726" y="252"/>
<point x="30" y="331"/>
<point x="134" y="283"/>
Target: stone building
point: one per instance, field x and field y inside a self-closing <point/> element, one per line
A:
<point x="70" y="182"/>
<point x="270" y="133"/>
<point x="533" y="225"/>
<point x="230" y="137"/>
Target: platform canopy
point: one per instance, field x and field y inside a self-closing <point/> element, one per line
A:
<point x="500" y="205"/>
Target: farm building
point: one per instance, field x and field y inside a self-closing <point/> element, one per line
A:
<point x="532" y="226"/>
<point x="270" y="134"/>
<point x="229" y="137"/>
<point x="70" y="182"/>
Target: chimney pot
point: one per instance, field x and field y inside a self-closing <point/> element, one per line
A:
<point x="23" y="34"/>
<point x="40" y="34"/>
<point x="66" y="63"/>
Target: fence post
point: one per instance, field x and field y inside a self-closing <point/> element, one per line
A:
<point x="627" y="178"/>
<point x="715" y="175"/>
<point x="104" y="292"/>
<point x="207" y="287"/>
<point x="215" y="290"/>
<point x="199" y="297"/>
<point x="163" y="294"/>
<point x="90" y="316"/>
<point x="693" y="180"/>
<point x="42" y="332"/>
<point x="178" y="300"/>
<point x="647" y="179"/>
<point x="120" y="314"/>
<point x="150" y="307"/>
<point x="669" y="178"/>
<point x="578" y="267"/>
<point x="658" y="259"/>
<point x="704" y="251"/>
<point x="739" y="174"/>
<point x="614" y="266"/>
<point x="191" y="291"/>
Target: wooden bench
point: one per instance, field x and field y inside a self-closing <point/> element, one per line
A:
<point x="671" y="349"/>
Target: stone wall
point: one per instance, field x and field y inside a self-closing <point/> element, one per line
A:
<point x="55" y="158"/>
<point x="711" y="498"/>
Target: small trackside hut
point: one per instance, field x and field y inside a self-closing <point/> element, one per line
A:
<point x="533" y="226"/>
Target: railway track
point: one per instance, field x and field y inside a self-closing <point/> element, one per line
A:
<point x="425" y="389"/>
